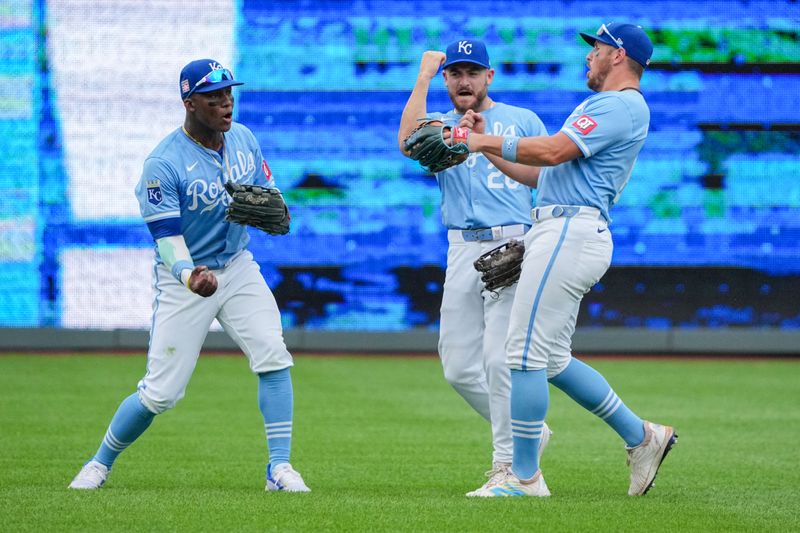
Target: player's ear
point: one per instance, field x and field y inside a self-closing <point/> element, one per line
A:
<point x="489" y="76"/>
<point x="188" y="104"/>
<point x="620" y="55"/>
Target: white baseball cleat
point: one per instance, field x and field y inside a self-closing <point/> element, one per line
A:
<point x="284" y="477"/>
<point x="497" y="476"/>
<point x="513" y="486"/>
<point x="92" y="476"/>
<point x="545" y="440"/>
<point x="645" y="458"/>
<point x="500" y="472"/>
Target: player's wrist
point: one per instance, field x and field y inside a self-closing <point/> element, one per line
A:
<point x="185" y="278"/>
<point x="459" y="135"/>
<point x="182" y="270"/>
<point x="476" y="141"/>
<point x="424" y="80"/>
<point x="509" y="148"/>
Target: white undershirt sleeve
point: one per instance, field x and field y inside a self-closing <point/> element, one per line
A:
<point x="176" y="257"/>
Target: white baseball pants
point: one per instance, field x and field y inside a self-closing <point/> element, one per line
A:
<point x="244" y="306"/>
<point x="472" y="334"/>
<point x="567" y="250"/>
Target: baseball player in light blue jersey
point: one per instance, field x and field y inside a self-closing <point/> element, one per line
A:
<point x="586" y="165"/>
<point x="482" y="208"/>
<point x="203" y="271"/>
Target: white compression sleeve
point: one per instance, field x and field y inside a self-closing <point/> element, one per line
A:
<point x="176" y="257"/>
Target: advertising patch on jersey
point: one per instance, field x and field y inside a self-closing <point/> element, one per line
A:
<point x="584" y="124"/>
<point x="154" y="195"/>
<point x="267" y="171"/>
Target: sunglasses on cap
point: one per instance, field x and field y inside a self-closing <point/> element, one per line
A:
<point x="215" y="76"/>
<point x="604" y="30"/>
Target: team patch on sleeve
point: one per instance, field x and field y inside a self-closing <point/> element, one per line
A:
<point x="154" y="195"/>
<point x="584" y="124"/>
<point x="267" y="172"/>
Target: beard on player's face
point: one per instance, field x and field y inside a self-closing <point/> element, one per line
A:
<point x="468" y="95"/>
<point x="467" y="86"/>
<point x="599" y="63"/>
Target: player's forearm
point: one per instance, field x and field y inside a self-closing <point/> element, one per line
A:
<point x="525" y="174"/>
<point x="534" y="151"/>
<point x="415" y="108"/>
<point x="176" y="257"/>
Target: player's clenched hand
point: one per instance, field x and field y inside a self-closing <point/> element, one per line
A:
<point x="431" y="61"/>
<point x="473" y="121"/>
<point x="202" y="281"/>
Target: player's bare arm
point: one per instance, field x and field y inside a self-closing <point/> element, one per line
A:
<point x="525" y="174"/>
<point x="543" y="151"/>
<point x="416" y="107"/>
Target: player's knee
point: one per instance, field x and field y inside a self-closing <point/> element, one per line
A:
<point x="451" y="375"/>
<point x="557" y="364"/>
<point x="157" y="404"/>
<point x="457" y="376"/>
<point x="496" y="365"/>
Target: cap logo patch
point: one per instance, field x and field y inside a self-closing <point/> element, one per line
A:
<point x="185" y="86"/>
<point x="584" y="124"/>
<point x="465" y="47"/>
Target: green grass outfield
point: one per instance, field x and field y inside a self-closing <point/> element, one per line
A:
<point x="386" y="445"/>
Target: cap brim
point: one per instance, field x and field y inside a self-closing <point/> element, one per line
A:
<point x="446" y="64"/>
<point x="217" y="86"/>
<point x="605" y="39"/>
<point x="588" y="38"/>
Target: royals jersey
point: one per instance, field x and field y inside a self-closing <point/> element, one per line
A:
<point x="181" y="191"/>
<point x="475" y="194"/>
<point x="609" y="128"/>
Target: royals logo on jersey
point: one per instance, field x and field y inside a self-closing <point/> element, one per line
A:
<point x="584" y="124"/>
<point x="154" y="195"/>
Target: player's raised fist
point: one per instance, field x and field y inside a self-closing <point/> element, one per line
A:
<point x="202" y="281"/>
<point x="473" y="121"/>
<point x="431" y="61"/>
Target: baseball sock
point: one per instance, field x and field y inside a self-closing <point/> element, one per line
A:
<point x="590" y="389"/>
<point x="529" y="401"/>
<point x="275" y="399"/>
<point x="130" y="421"/>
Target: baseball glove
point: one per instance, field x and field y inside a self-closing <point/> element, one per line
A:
<point x="501" y="267"/>
<point x="260" y="207"/>
<point x="426" y="144"/>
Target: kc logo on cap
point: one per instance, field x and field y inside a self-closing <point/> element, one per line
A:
<point x="203" y="76"/>
<point x="467" y="51"/>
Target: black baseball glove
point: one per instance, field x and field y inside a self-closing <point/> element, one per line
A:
<point x="256" y="206"/>
<point x="426" y="144"/>
<point x="501" y="266"/>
